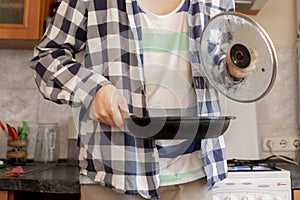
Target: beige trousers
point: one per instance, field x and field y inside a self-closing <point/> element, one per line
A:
<point x="196" y="190"/>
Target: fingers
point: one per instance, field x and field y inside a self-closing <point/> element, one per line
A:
<point x="241" y="73"/>
<point x="108" y="106"/>
<point x="237" y="72"/>
<point x="123" y="107"/>
<point x="100" y="115"/>
<point x="119" y="108"/>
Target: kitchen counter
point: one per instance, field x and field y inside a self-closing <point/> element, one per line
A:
<point x="44" y="178"/>
<point x="64" y="179"/>
<point x="295" y="174"/>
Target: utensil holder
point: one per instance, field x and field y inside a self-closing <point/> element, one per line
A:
<point x="17" y="153"/>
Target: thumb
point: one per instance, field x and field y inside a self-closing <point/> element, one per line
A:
<point x="119" y="110"/>
<point x="123" y="107"/>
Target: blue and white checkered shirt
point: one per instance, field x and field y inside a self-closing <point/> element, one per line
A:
<point x="110" y="34"/>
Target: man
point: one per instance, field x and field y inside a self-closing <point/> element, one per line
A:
<point x="125" y="70"/>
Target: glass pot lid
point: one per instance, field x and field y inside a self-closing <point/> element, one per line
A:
<point x="242" y="40"/>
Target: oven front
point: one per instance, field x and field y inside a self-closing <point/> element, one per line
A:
<point x="254" y="185"/>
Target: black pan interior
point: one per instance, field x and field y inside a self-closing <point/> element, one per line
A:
<point x="177" y="127"/>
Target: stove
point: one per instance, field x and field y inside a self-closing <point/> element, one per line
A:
<point x="253" y="181"/>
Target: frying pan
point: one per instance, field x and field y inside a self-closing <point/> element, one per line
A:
<point x="177" y="127"/>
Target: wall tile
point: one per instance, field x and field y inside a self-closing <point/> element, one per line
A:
<point x="270" y="131"/>
<point x="17" y="105"/>
<point x="3" y="144"/>
<point x="287" y="68"/>
<point x="50" y="112"/>
<point x="279" y="108"/>
<point x="278" y="112"/>
<point x="15" y="71"/>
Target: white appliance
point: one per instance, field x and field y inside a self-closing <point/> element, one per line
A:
<point x="254" y="185"/>
<point x="258" y="183"/>
<point x="247" y="182"/>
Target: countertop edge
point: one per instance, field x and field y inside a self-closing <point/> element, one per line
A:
<point x="61" y="179"/>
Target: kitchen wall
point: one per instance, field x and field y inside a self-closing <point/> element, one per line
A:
<point x="20" y="100"/>
<point x="277" y="113"/>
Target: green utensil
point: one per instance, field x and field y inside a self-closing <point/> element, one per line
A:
<point x="24" y="131"/>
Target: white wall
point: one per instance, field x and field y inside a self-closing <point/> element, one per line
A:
<point x="278" y="17"/>
<point x="277" y="113"/>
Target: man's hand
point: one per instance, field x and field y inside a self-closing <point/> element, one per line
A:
<point x="241" y="73"/>
<point x="109" y="106"/>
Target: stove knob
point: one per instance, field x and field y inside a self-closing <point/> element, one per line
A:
<point x="265" y="197"/>
<point x="231" y="197"/>
<point x="248" y="197"/>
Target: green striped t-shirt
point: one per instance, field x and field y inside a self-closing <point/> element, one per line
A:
<point x="169" y="89"/>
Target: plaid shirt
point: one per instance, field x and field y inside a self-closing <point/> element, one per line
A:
<point x="110" y="34"/>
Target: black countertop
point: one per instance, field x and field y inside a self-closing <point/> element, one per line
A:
<point x="294" y="172"/>
<point x="45" y="178"/>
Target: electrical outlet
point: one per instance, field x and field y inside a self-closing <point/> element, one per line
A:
<point x="281" y="143"/>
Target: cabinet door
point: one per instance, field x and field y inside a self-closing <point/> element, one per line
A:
<point x="3" y="195"/>
<point x="6" y="195"/>
<point x="19" y="19"/>
<point x="296" y="195"/>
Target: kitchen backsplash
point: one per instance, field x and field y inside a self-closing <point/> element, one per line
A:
<point x="20" y="100"/>
<point x="277" y="113"/>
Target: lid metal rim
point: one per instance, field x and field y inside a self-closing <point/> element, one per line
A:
<point x="270" y="45"/>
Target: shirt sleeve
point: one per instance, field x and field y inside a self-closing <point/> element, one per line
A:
<point x="60" y="78"/>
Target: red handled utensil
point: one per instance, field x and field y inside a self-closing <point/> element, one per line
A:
<point x="12" y="132"/>
<point x="2" y="126"/>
